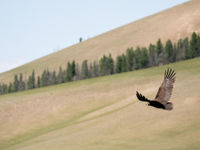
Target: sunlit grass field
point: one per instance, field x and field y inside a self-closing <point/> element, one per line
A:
<point x="104" y="114"/>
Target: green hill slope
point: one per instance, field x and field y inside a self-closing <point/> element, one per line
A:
<point x="175" y="23"/>
<point x="103" y="113"/>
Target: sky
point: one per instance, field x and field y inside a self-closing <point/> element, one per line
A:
<point x="30" y="29"/>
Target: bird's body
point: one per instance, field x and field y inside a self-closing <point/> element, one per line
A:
<point x="164" y="92"/>
<point x="156" y="104"/>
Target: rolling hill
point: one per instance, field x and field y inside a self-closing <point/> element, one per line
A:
<point x="174" y="23"/>
<point x="104" y="114"/>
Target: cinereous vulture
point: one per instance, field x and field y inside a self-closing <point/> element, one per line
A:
<point x="164" y="93"/>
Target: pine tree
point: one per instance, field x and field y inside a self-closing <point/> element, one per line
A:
<point x="138" y="58"/>
<point x="106" y="65"/>
<point x="48" y="77"/>
<point x="80" y="39"/>
<point x="90" y="71"/>
<point x="16" y="83"/>
<point x="60" y="77"/>
<point x="33" y="79"/>
<point x="153" y="58"/>
<point x="110" y="65"/>
<point x="169" y="51"/>
<point x="95" y="69"/>
<point x="194" y="48"/>
<point x="1" y="91"/>
<point x="4" y="88"/>
<point x="73" y="68"/>
<point x="44" y="78"/>
<point x="182" y="45"/>
<point x="130" y="59"/>
<point x="38" y="82"/>
<point x="186" y="48"/>
<point x="78" y="74"/>
<point x="121" y="64"/>
<point x="69" y="74"/>
<point x="84" y="70"/>
<point x="144" y="60"/>
<point x="118" y="68"/>
<point x="124" y="67"/>
<point x="175" y="52"/>
<point x="159" y="46"/>
<point x="54" y="78"/>
<point x="21" y="83"/>
<point x="160" y="52"/>
<point x="10" y="88"/>
<point x="30" y="83"/>
<point x="198" y="45"/>
<point x="102" y="66"/>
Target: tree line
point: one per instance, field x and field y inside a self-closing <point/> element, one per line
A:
<point x="133" y="59"/>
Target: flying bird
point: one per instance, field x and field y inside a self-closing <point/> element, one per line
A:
<point x="164" y="92"/>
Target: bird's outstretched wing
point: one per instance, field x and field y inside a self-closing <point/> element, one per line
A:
<point x="164" y="93"/>
<point x="141" y="97"/>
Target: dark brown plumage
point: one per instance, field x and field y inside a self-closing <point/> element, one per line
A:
<point x="164" y="92"/>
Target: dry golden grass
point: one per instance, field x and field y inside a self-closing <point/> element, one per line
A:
<point x="103" y="113"/>
<point x="177" y="22"/>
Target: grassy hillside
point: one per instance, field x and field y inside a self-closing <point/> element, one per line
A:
<point x="103" y="113"/>
<point x="174" y="23"/>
